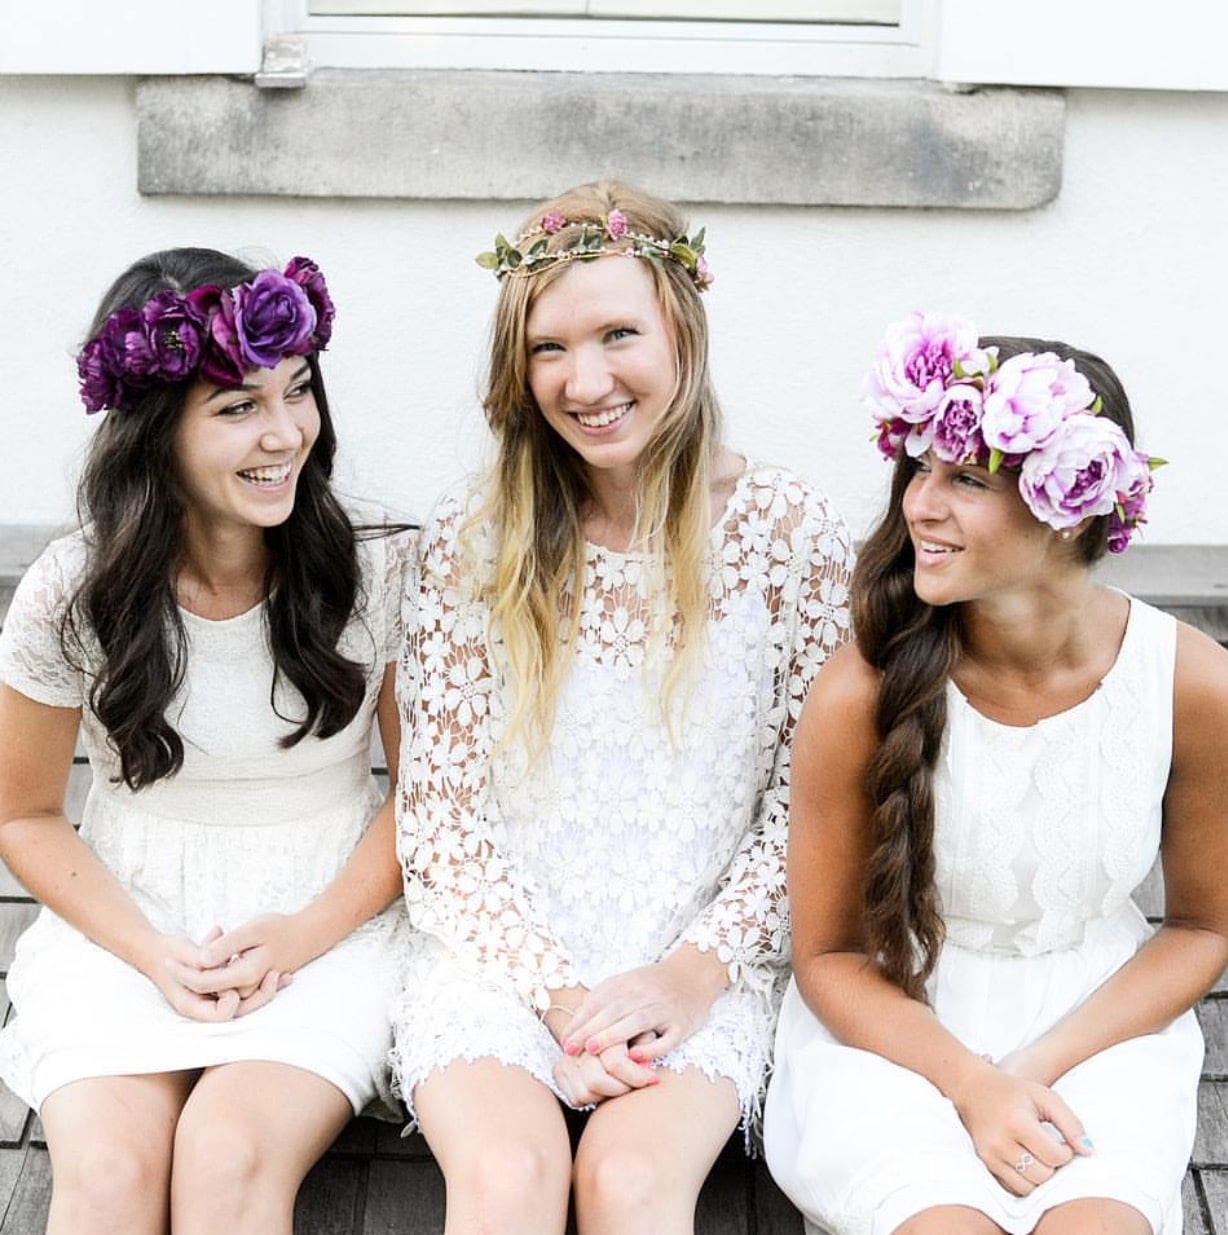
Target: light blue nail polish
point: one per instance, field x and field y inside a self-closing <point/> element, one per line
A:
<point x="1086" y="1142"/>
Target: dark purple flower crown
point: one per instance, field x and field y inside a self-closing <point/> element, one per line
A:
<point x="214" y="333"/>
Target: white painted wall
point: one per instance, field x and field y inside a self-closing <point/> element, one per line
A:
<point x="1131" y="260"/>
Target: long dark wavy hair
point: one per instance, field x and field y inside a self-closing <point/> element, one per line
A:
<point x="131" y="505"/>
<point x="916" y="646"/>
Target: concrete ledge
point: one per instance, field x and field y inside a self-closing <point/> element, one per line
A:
<point x="503" y="136"/>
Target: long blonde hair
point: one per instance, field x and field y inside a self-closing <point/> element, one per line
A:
<point x="535" y="495"/>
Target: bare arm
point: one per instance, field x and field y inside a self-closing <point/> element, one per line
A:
<point x="43" y="850"/>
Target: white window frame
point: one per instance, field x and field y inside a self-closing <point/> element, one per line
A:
<point x="130" y="36"/>
<point x="613" y="45"/>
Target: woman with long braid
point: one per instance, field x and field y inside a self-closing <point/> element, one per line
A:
<point x="983" y="1033"/>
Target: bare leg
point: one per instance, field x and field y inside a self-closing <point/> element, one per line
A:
<point x="948" y="1220"/>
<point x="110" y="1139"/>
<point x="248" y="1135"/>
<point x="1093" y="1216"/>
<point x="644" y="1156"/>
<point x="500" y="1140"/>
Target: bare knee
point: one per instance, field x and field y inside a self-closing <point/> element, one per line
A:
<point x="949" y="1220"/>
<point x="622" y="1181"/>
<point x="1095" y="1216"/>
<point x="498" y="1184"/>
<point x="217" y="1159"/>
<point x="111" y="1183"/>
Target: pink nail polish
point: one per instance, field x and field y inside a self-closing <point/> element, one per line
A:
<point x="636" y="1057"/>
<point x="570" y="1047"/>
<point x="593" y="1046"/>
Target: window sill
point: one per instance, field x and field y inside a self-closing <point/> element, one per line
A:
<point x="491" y="135"/>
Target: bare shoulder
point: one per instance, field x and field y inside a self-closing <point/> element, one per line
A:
<point x="843" y="699"/>
<point x="1200" y="693"/>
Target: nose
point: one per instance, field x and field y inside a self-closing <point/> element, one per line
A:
<point x="588" y="377"/>
<point x="281" y="430"/>
<point x="923" y="498"/>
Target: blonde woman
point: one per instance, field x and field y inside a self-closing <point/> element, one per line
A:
<point x="618" y="627"/>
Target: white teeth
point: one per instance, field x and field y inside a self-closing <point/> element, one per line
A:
<point x="928" y="546"/>
<point x="267" y="475"/>
<point x="598" y="420"/>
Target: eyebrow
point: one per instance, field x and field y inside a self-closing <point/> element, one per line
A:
<point x="222" y="391"/>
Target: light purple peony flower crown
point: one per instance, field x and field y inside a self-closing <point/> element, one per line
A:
<point x="214" y="332"/>
<point x="611" y="236"/>
<point x="933" y="387"/>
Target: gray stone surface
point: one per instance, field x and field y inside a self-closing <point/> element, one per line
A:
<point x="487" y="135"/>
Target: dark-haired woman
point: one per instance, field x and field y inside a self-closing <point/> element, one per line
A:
<point x="200" y="1005"/>
<point x="984" y="1034"/>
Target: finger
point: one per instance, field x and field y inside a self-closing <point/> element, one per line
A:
<point x="260" y="996"/>
<point x="623" y="1068"/>
<point x="196" y="981"/>
<point x="214" y="932"/>
<point x="1053" y="1110"/>
<point x="224" y="948"/>
<point x="1048" y="1145"/>
<point x="620" y="1032"/>
<point x="650" y="1049"/>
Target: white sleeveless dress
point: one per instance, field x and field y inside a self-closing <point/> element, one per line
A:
<point x="1043" y="832"/>
<point x="244" y="828"/>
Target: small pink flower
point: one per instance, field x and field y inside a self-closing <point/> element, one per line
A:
<point x="616" y="224"/>
<point x="703" y="276"/>
<point x="957" y="424"/>
<point x="553" y="222"/>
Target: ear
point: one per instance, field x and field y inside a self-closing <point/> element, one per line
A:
<point x="1068" y="535"/>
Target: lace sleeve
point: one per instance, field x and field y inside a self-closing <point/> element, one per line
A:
<point x="32" y="660"/>
<point x="747" y="924"/>
<point x="400" y="591"/>
<point x="459" y="886"/>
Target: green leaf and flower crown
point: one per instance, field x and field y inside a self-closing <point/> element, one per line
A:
<point x="610" y="236"/>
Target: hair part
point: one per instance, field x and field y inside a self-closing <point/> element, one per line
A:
<point x="536" y="495"/>
<point x="132" y="506"/>
<point x="916" y="647"/>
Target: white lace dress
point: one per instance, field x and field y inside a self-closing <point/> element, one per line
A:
<point x="620" y="844"/>
<point x="245" y="827"/>
<point x="1043" y="833"/>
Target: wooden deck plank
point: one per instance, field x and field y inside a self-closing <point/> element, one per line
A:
<point x="389" y="1143"/>
<point x="1211" y="1140"/>
<point x="1215" y="1190"/>
<point x="332" y="1198"/>
<point x="27" y="1210"/>
<point x="1213" y="1017"/>
<point x="402" y="1197"/>
<point x="15" y="916"/>
<point x="11" y="1161"/>
<point x="726" y="1197"/>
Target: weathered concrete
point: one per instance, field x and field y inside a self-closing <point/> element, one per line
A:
<point x="512" y="136"/>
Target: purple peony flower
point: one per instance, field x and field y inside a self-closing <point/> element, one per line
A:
<point x="272" y="318"/>
<point x="304" y="272"/>
<point x="175" y="331"/>
<point x="957" y="424"/>
<point x="1028" y="397"/>
<point x="915" y="361"/>
<point x="616" y="224"/>
<point x="553" y="221"/>
<point x="1082" y="470"/>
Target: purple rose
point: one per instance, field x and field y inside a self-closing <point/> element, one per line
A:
<point x="116" y="362"/>
<point x="915" y="361"/>
<point x="174" y="330"/>
<point x="1083" y="470"/>
<point x="272" y="318"/>
<point x="1027" y="398"/>
<point x="553" y="221"/>
<point x="304" y="272"/>
<point x="957" y="425"/>
<point x="616" y="224"/>
<point x="222" y="361"/>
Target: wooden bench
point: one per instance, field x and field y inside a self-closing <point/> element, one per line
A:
<point x="375" y="1182"/>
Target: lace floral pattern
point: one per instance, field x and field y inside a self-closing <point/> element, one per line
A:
<point x="635" y="833"/>
<point x="1057" y="823"/>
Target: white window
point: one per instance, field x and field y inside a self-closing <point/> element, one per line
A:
<point x="838" y="38"/>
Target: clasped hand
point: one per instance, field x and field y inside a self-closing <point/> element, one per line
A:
<point x="229" y="973"/>
<point x="627" y="1022"/>
<point x="1022" y="1130"/>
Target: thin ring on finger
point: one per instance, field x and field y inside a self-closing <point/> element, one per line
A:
<point x="1025" y="1160"/>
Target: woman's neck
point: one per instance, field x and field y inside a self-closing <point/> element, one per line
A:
<point x="223" y="571"/>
